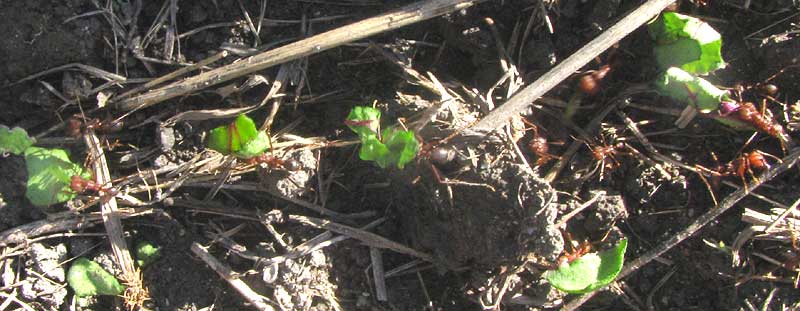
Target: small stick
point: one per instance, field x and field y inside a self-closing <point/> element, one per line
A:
<point x="172" y="75"/>
<point x="377" y="274"/>
<point x="587" y="53"/>
<point x="701" y="221"/>
<point x="407" y="15"/>
<point x="227" y="274"/>
<point x="782" y="216"/>
<point x="583" y="206"/>
<point x="368" y="238"/>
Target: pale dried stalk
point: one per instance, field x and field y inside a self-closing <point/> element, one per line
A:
<point x="113" y="224"/>
<point x="404" y="16"/>
<point x="259" y="302"/>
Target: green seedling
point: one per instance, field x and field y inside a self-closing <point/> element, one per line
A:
<point x="240" y="138"/>
<point x="88" y="278"/>
<point x="686" y="42"/>
<point x="14" y="140"/>
<point x="393" y="147"/>
<point x="146" y="253"/>
<point x="590" y="272"/>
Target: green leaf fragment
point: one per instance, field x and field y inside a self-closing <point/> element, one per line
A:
<point x="146" y="253"/>
<point x="14" y="140"/>
<point x="240" y="138"/>
<point x="686" y="42"/>
<point x="373" y="149"/>
<point x="590" y="272"/>
<point x="88" y="278"/>
<point x="365" y="121"/>
<point x="49" y="176"/>
<point x="686" y="88"/>
<point x="403" y="147"/>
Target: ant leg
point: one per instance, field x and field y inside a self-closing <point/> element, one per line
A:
<point x="708" y="186"/>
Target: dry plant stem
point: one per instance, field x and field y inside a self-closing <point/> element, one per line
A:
<point x="109" y="211"/>
<point x="701" y="221"/>
<point x="173" y="75"/>
<point x="568" y="216"/>
<point x="26" y="232"/>
<point x="226" y="273"/>
<point x="377" y="274"/>
<point x="368" y="238"/>
<point x="783" y="216"/>
<point x="405" y="16"/>
<point x="528" y="95"/>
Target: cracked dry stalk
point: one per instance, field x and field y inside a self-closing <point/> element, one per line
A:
<point x="111" y="220"/>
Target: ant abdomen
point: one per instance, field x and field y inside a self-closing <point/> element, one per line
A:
<point x="443" y="155"/>
<point x="291" y="165"/>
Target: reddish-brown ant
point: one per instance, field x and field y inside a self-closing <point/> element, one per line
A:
<point x="79" y="184"/>
<point x="539" y="145"/>
<point x="275" y="162"/>
<point x="76" y="126"/>
<point x="741" y="166"/>
<point x="604" y="156"/>
<point x="590" y="83"/>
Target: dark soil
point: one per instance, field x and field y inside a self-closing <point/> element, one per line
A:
<point x="485" y="217"/>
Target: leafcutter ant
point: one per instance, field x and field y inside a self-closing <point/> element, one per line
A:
<point x="539" y="145"/>
<point x="744" y="164"/>
<point x="604" y="156"/>
<point x="76" y="126"/>
<point x="274" y="162"/>
<point x="80" y="185"/>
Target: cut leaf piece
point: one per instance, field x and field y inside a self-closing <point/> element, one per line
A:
<point x="403" y="147"/>
<point x="240" y="138"/>
<point x="363" y="120"/>
<point x="49" y="175"/>
<point x="590" y="272"/>
<point x="88" y="278"/>
<point x="686" y="88"/>
<point x="14" y="140"/>
<point x="686" y="42"/>
<point x="146" y="253"/>
<point x="373" y="150"/>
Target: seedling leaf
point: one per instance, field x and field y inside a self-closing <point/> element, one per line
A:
<point x="373" y="149"/>
<point x="49" y="174"/>
<point x="686" y="88"/>
<point x="686" y="42"/>
<point x="240" y="138"/>
<point x="402" y="145"/>
<point x="88" y="278"/>
<point x="14" y="140"/>
<point x="590" y="272"/>
<point x="146" y="253"/>
<point x="364" y="120"/>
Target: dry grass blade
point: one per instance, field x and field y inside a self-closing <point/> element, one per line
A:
<point x="528" y="95"/>
<point x="788" y="161"/>
<point x="368" y="238"/>
<point x="405" y="16"/>
<point x="113" y="225"/>
<point x="97" y="72"/>
<point x="227" y="274"/>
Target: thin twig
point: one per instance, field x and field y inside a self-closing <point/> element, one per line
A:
<point x="226" y="273"/>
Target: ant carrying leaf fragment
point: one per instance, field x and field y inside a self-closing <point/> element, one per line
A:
<point x="50" y="176"/>
<point x="590" y="271"/>
<point x="394" y="147"/>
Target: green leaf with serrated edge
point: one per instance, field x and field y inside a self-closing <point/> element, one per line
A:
<point x="240" y="138"/>
<point x="686" y="88"/>
<point x="402" y="145"/>
<point x="49" y="175"/>
<point x="14" y="140"/>
<point x="88" y="278"/>
<point x="363" y="120"/>
<point x="590" y="272"/>
<point x="146" y="253"/>
<point x="686" y="42"/>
